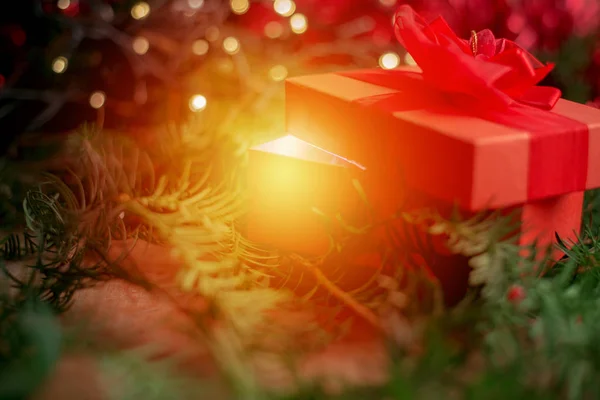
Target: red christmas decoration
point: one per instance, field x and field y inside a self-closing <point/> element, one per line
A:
<point x="516" y="294"/>
<point x="465" y="16"/>
<point x="533" y="24"/>
<point x="470" y="128"/>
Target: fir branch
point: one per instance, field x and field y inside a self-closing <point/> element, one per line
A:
<point x="337" y="292"/>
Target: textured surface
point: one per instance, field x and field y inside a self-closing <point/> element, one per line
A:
<point x="130" y="317"/>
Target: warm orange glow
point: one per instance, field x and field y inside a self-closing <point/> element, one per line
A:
<point x="200" y="47"/>
<point x="198" y="103"/>
<point x="278" y="73"/>
<point x="389" y="60"/>
<point x="409" y="60"/>
<point x="273" y="30"/>
<point x="212" y="33"/>
<point x="291" y="146"/>
<point x="287" y="179"/>
<point x="287" y="145"/>
<point x="225" y="65"/>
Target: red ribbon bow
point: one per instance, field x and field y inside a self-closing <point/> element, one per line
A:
<point x="496" y="71"/>
<point x="487" y="78"/>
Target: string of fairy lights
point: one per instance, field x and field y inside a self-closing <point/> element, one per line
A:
<point x="298" y="24"/>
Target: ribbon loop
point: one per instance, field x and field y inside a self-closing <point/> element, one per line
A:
<point x="495" y="71"/>
<point x="488" y="79"/>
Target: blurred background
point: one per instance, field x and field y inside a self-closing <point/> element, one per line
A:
<point x="134" y="64"/>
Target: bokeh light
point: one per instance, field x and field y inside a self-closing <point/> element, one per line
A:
<point x="273" y="29"/>
<point x="140" y="45"/>
<point x="60" y="64"/>
<point x="140" y="10"/>
<point x="63" y="4"/>
<point x="239" y="6"/>
<point x="278" y="73"/>
<point x="97" y="99"/>
<point x="195" y="4"/>
<point x="389" y="60"/>
<point x="231" y="45"/>
<point x="198" y="103"/>
<point x="298" y="23"/>
<point x="284" y="8"/>
<point x="200" y="47"/>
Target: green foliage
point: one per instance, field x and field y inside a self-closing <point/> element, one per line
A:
<point x="30" y="343"/>
<point x="539" y="344"/>
<point x="573" y="59"/>
<point x="131" y="377"/>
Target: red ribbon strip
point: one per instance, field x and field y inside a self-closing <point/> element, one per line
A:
<point x="489" y="79"/>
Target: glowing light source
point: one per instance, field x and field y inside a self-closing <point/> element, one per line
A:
<point x="97" y="99"/>
<point x="198" y="103"/>
<point x="409" y="60"/>
<point x="283" y="190"/>
<point x="140" y="10"/>
<point x="231" y="45"/>
<point x="284" y="8"/>
<point x="200" y="47"/>
<point x="195" y="4"/>
<point x="273" y="30"/>
<point x="239" y="6"/>
<point x="278" y="73"/>
<point x="287" y="145"/>
<point x="60" y="64"/>
<point x="140" y="45"/>
<point x="389" y="60"/>
<point x="63" y="4"/>
<point x="212" y="33"/>
<point x="298" y="23"/>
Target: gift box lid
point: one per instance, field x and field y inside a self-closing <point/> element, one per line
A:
<point x="293" y="147"/>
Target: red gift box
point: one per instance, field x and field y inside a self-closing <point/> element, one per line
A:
<point x="456" y="158"/>
<point x="449" y="158"/>
<point x="468" y="127"/>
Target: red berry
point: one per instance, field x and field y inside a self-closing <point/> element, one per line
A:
<point x="516" y="294"/>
